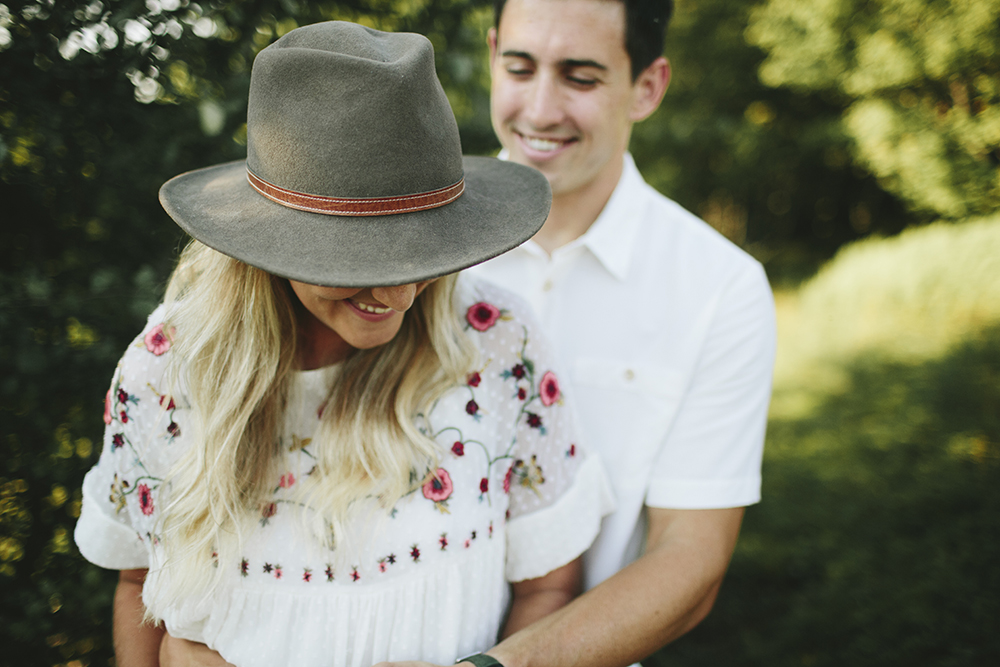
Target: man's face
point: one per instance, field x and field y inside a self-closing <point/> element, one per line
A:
<point x="562" y="98"/>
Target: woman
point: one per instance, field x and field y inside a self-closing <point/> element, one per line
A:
<point x="320" y="451"/>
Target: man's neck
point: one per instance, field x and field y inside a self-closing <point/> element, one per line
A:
<point x="573" y="213"/>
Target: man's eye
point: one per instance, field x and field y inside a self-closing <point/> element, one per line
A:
<point x="518" y="71"/>
<point x="581" y="81"/>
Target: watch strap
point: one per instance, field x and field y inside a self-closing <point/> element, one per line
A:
<point x="481" y="660"/>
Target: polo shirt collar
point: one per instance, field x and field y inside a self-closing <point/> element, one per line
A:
<point x="610" y="239"/>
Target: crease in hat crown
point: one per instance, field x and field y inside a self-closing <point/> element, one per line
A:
<point x="343" y="112"/>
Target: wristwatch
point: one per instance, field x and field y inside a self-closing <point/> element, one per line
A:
<point x="480" y="660"/>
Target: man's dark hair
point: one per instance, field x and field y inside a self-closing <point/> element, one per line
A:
<point x="645" y="29"/>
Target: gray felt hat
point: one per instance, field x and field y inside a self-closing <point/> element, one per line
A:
<point x="354" y="174"/>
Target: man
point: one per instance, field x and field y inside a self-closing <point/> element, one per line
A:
<point x="665" y="329"/>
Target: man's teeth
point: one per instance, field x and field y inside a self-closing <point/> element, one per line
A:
<point x="542" y="144"/>
<point x="370" y="309"/>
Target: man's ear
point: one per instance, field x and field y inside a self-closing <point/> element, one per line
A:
<point x="491" y="40"/>
<point x="649" y="88"/>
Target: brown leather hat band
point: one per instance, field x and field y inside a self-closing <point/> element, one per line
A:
<point x="358" y="207"/>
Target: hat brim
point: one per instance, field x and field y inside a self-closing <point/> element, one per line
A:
<point x="503" y="205"/>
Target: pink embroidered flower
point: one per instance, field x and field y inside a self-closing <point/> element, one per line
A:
<point x="472" y="408"/>
<point x="443" y="541"/>
<point x="484" y="485"/>
<point x="549" y="389"/>
<point x="107" y="408"/>
<point x="458" y="449"/>
<point x="287" y="480"/>
<point x="307" y="574"/>
<point x="474" y="379"/>
<point x="157" y="341"/>
<point x="439" y="487"/>
<point x="354" y="574"/>
<point x="266" y="512"/>
<point x="481" y="316"/>
<point x="145" y="499"/>
<point x="506" y="485"/>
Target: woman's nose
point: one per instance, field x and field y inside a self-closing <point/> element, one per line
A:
<point x="397" y="297"/>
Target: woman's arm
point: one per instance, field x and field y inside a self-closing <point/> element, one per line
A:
<point x="137" y="642"/>
<point x="536" y="598"/>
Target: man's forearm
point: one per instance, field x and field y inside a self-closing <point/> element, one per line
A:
<point x="648" y="604"/>
<point x="137" y="643"/>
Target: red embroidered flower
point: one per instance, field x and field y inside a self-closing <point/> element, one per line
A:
<point x="549" y="388"/>
<point x="481" y="316"/>
<point x="518" y="371"/>
<point x="522" y="393"/>
<point x="328" y="572"/>
<point x="244" y="567"/>
<point x="474" y="379"/>
<point x="506" y="485"/>
<point x="117" y="440"/>
<point x="458" y="449"/>
<point x="268" y="510"/>
<point x="443" y="541"/>
<point x="472" y="407"/>
<point x="107" y="407"/>
<point x="571" y="451"/>
<point x="145" y="499"/>
<point x="438" y="487"/>
<point x="415" y="553"/>
<point x="354" y="574"/>
<point x="170" y="404"/>
<point x="484" y="485"/>
<point x="122" y="396"/>
<point x="173" y="429"/>
<point x="287" y="480"/>
<point x="123" y="416"/>
<point x="156" y="341"/>
<point x="534" y="421"/>
<point x="307" y="574"/>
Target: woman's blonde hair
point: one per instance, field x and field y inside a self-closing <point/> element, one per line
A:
<point x="234" y="350"/>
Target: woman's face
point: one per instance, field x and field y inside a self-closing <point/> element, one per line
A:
<point x="362" y="318"/>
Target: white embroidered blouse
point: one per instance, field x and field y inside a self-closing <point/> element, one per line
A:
<point x="514" y="497"/>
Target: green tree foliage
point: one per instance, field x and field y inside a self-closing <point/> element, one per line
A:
<point x="922" y="80"/>
<point x="769" y="167"/>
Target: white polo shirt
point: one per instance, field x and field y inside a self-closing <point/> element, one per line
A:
<point x="665" y="332"/>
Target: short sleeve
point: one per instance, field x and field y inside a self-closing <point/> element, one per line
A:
<point x="120" y="491"/>
<point x="558" y="493"/>
<point x="711" y="457"/>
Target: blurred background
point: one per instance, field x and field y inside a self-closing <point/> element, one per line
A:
<point x="853" y="146"/>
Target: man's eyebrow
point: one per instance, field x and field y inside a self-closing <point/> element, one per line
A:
<point x="510" y="53"/>
<point x="573" y="64"/>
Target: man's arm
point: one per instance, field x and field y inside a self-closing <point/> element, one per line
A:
<point x="656" y="599"/>
<point x="137" y="643"/>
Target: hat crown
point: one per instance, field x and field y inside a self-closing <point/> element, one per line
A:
<point x="340" y="110"/>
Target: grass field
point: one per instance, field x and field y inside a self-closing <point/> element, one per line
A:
<point x="878" y="539"/>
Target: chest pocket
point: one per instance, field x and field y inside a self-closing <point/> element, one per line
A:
<point x="625" y="411"/>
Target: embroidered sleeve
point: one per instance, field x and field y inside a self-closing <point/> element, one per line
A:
<point x="120" y="493"/>
<point x="557" y="493"/>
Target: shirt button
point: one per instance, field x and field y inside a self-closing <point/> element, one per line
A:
<point x="629" y="374"/>
<point x="547" y="286"/>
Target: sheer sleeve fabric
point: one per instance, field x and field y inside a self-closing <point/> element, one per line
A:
<point x="120" y="492"/>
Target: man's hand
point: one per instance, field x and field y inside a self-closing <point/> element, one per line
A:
<point x="176" y="652"/>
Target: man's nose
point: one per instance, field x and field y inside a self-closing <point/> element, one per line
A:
<point x="543" y="106"/>
<point x="397" y="297"/>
